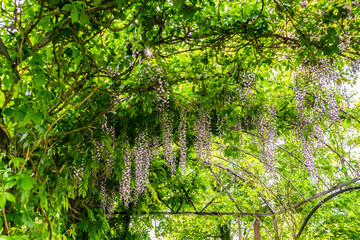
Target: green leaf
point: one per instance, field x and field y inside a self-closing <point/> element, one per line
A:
<point x="178" y="3"/>
<point x="27" y="220"/>
<point x="17" y="161"/>
<point x="84" y="18"/>
<point x="2" y="200"/>
<point x="19" y="115"/>
<point x="36" y="118"/>
<point x="67" y="7"/>
<point x="23" y="137"/>
<point x="24" y="196"/>
<point x="7" y="82"/>
<point x="9" y="196"/>
<point x="10" y="184"/>
<point x="120" y="3"/>
<point x="26" y="183"/>
<point x="43" y="200"/>
<point x="74" y="14"/>
<point x="8" y="112"/>
<point x="39" y="80"/>
<point x="5" y="238"/>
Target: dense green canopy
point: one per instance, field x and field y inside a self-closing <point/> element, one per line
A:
<point x="121" y="116"/>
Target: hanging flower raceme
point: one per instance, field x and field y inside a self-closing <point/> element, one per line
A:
<point x="109" y="160"/>
<point x="247" y="82"/>
<point x="309" y="159"/>
<point x="266" y="130"/>
<point x="162" y="90"/>
<point x="78" y="172"/>
<point x="168" y="151"/>
<point x="323" y="83"/>
<point x="203" y="136"/>
<point x="99" y="150"/>
<point x="182" y="140"/>
<point x="142" y="162"/>
<point x="103" y="195"/>
<point x="125" y="183"/>
<point x="111" y="206"/>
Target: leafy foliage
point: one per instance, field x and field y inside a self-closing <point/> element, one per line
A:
<point x="114" y="111"/>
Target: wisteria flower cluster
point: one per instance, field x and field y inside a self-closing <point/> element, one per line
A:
<point x="247" y="82"/>
<point x="125" y="183"/>
<point x="266" y="130"/>
<point x="182" y="140"/>
<point x="78" y="172"/>
<point x="111" y="205"/>
<point x="203" y="136"/>
<point x="142" y="156"/>
<point x="167" y="132"/>
<point x="109" y="71"/>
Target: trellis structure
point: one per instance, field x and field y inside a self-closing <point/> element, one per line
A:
<point x="208" y="107"/>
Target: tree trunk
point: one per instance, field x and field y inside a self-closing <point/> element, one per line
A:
<point x="257" y="235"/>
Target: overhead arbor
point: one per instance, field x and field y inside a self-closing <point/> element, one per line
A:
<point x="114" y="113"/>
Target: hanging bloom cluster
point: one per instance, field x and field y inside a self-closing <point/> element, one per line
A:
<point x="124" y="185"/>
<point x="323" y="83"/>
<point x="143" y="152"/>
<point x="155" y="145"/>
<point x="203" y="136"/>
<point x="109" y="71"/>
<point x="318" y="134"/>
<point x="109" y="159"/>
<point x="266" y="129"/>
<point x="78" y="172"/>
<point x="355" y="66"/>
<point x="182" y="140"/>
<point x="99" y="150"/>
<point x="303" y="4"/>
<point x="168" y="151"/>
<point x="247" y="82"/>
<point x="162" y="90"/>
<point x="103" y="195"/>
<point x="302" y="124"/>
<point x="111" y="205"/>
<point x="309" y="159"/>
<point x="220" y="123"/>
<point x="142" y="156"/>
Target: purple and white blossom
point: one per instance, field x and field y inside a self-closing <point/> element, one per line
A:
<point x="142" y="162"/>
<point x="167" y="132"/>
<point x="125" y="184"/>
<point x="203" y="136"/>
<point x="182" y="140"/>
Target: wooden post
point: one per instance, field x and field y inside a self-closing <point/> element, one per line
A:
<point x="239" y="226"/>
<point x="257" y="235"/>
